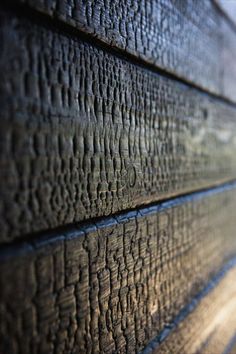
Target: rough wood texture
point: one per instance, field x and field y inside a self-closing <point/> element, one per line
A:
<point x="210" y="328"/>
<point x="110" y="287"/>
<point x="86" y="134"/>
<point x="183" y="37"/>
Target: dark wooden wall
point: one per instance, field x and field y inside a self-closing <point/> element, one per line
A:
<point x="118" y="177"/>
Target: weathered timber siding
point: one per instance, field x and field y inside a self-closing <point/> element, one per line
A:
<point x="186" y="38"/>
<point x="117" y="162"/>
<point x="112" y="286"/>
<point x="85" y="133"/>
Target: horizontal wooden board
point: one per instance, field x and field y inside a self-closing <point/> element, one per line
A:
<point x="85" y="133"/>
<point x="182" y="37"/>
<point x="114" y="285"/>
<point x="210" y="326"/>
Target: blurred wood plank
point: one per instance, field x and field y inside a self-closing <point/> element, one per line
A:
<point x="210" y="327"/>
<point x="229" y="7"/>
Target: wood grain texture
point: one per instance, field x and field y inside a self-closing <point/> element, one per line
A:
<point x="182" y="37"/>
<point x="111" y="286"/>
<point x="211" y="325"/>
<point x="86" y="134"/>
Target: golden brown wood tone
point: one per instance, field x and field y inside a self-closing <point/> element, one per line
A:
<point x="211" y="327"/>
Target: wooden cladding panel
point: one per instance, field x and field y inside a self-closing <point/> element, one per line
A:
<point x="85" y="133"/>
<point x="210" y="328"/>
<point x="96" y="119"/>
<point x="114" y="285"/>
<point x="186" y="38"/>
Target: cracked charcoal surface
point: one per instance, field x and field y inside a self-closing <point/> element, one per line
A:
<point x="87" y="131"/>
<point x="86" y="134"/>
<point x="187" y="38"/>
<point x="113" y="286"/>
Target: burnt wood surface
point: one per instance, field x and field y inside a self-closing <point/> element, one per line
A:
<point x="207" y="325"/>
<point x="117" y="160"/>
<point x="114" y="285"/>
<point x="186" y="38"/>
<point x="85" y="133"/>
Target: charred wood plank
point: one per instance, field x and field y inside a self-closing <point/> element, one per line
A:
<point x="85" y="133"/>
<point x="112" y="286"/>
<point x="185" y="38"/>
